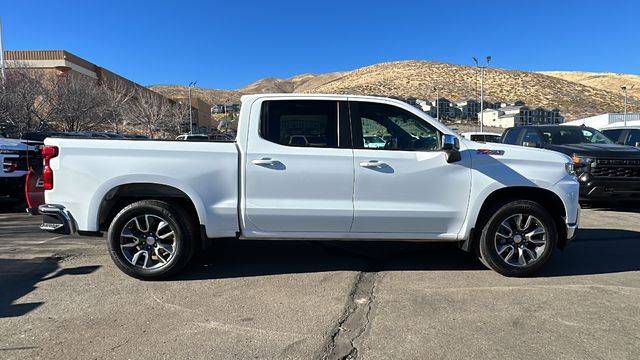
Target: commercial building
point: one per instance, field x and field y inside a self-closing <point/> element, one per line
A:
<point x="61" y="63"/>
<point x="200" y="111"/>
<point x="601" y="120"/>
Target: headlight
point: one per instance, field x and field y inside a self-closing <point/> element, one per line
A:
<point x="571" y="170"/>
<point x="581" y="164"/>
<point x="581" y="159"/>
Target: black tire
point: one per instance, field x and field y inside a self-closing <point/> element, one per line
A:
<point x="183" y="239"/>
<point x="490" y="241"/>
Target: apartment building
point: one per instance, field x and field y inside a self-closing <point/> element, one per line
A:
<point x="509" y="116"/>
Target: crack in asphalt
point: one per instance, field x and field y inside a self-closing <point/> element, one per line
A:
<point x="354" y="320"/>
<point x="342" y="340"/>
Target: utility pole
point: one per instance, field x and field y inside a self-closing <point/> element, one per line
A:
<point x="488" y="58"/>
<point x="624" y="89"/>
<point x="191" y="84"/>
<point x="437" y="90"/>
<point x="3" y="74"/>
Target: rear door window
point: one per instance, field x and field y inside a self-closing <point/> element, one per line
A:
<point x="300" y="123"/>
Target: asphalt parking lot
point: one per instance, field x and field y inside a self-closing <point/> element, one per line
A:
<point x="61" y="297"/>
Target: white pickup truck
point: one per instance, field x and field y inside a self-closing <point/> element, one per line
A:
<point x="159" y="201"/>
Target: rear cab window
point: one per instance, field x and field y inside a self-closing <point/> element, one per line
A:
<point x="304" y="123"/>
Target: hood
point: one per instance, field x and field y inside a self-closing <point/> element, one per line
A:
<point x="596" y="150"/>
<point x="516" y="151"/>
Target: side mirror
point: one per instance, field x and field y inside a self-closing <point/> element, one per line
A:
<point x="637" y="144"/>
<point x="451" y="147"/>
<point x="450" y="142"/>
<point x="531" y="144"/>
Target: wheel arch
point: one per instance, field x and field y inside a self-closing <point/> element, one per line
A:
<point x="546" y="198"/>
<point x="122" y="195"/>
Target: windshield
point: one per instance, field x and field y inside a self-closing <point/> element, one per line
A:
<point x="579" y="135"/>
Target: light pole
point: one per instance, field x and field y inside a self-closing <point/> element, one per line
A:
<point x="191" y="84"/>
<point x="488" y="58"/>
<point x="2" y="57"/>
<point x="624" y="89"/>
<point x="437" y="90"/>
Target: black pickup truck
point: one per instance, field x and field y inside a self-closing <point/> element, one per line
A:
<point x="605" y="170"/>
<point x="17" y="157"/>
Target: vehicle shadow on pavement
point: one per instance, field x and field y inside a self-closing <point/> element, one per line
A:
<point x="20" y="277"/>
<point x="242" y="258"/>
<point x="595" y="251"/>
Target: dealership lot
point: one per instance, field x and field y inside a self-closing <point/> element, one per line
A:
<point x="61" y="297"/>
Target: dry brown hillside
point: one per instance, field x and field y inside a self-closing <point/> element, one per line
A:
<point x="211" y="96"/>
<point x="417" y="78"/>
<point x="296" y="84"/>
<point x="457" y="82"/>
<point x="605" y="81"/>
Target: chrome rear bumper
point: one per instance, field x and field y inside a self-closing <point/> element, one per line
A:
<point x="56" y="219"/>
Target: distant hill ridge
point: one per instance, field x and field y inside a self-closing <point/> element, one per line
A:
<point x="575" y="96"/>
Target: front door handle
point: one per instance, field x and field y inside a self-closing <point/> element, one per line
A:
<point x="265" y="162"/>
<point x="373" y="164"/>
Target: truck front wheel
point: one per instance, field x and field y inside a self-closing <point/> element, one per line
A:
<point x="151" y="239"/>
<point x="518" y="239"/>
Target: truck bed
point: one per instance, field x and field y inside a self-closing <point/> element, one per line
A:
<point x="87" y="170"/>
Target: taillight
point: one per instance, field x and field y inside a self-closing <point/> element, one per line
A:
<point x="48" y="153"/>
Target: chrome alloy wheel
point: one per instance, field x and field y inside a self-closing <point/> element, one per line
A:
<point x="148" y="241"/>
<point x="520" y="240"/>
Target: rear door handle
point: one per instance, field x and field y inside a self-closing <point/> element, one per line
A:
<point x="264" y="161"/>
<point x="373" y="164"/>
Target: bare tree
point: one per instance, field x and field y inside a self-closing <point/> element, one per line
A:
<point x="179" y="117"/>
<point x="24" y="101"/>
<point x="116" y="95"/>
<point x="77" y="102"/>
<point x="150" y="110"/>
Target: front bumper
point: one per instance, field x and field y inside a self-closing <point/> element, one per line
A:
<point x="608" y="189"/>
<point x="572" y="231"/>
<point x="56" y="219"/>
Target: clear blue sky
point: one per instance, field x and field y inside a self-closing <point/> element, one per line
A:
<point x="228" y="44"/>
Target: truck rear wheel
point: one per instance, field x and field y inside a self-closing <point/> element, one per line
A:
<point x="518" y="239"/>
<point x="151" y="239"/>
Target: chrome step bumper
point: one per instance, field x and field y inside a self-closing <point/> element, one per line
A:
<point x="56" y="219"/>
